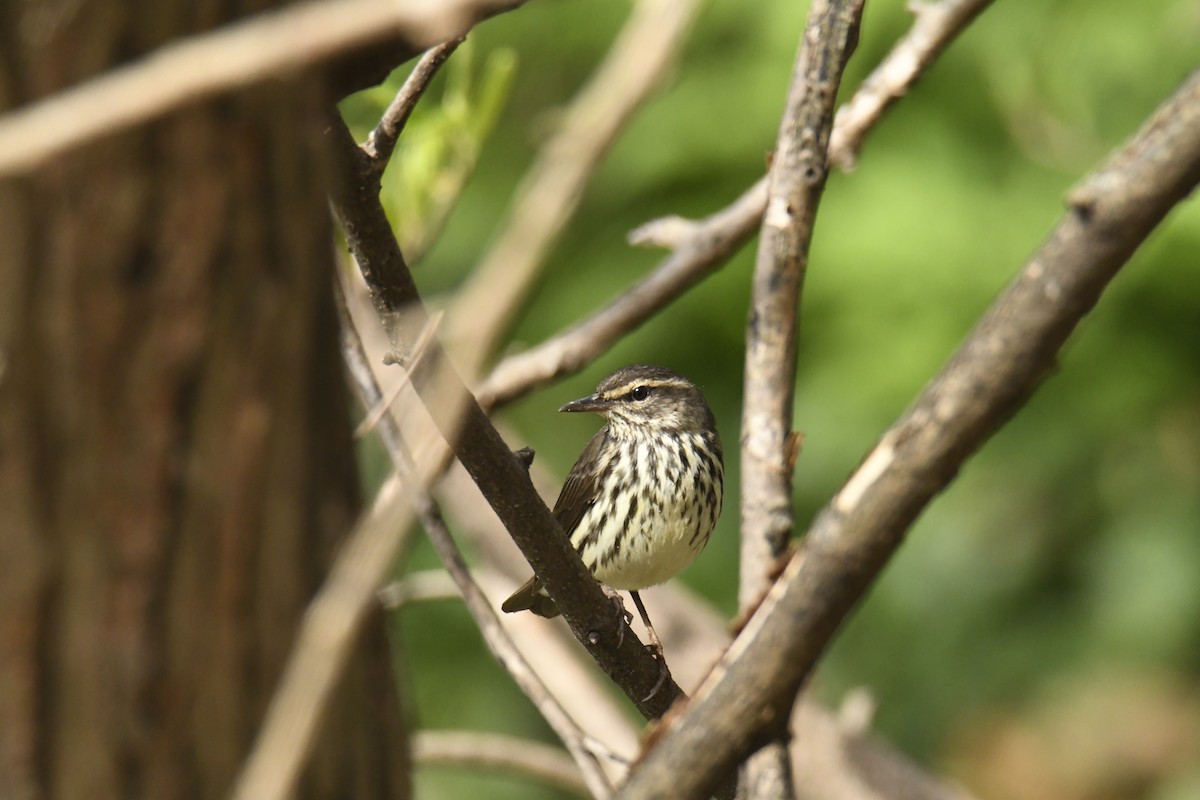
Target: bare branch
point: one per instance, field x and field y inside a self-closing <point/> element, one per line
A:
<point x="204" y="65"/>
<point x="499" y="643"/>
<point x="329" y="628"/>
<point x="419" y="587"/>
<point x="701" y="247"/>
<point x="503" y="753"/>
<point x="506" y="653"/>
<point x="382" y="141"/>
<point x="550" y="192"/>
<point x="935" y="27"/>
<point x="1010" y="352"/>
<point x="796" y="182"/>
<point x="503" y="481"/>
<point x="832" y="760"/>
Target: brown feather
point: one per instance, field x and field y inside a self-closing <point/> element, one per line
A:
<point x="580" y="489"/>
<point x="577" y="494"/>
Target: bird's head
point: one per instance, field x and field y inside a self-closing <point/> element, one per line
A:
<point x="643" y="397"/>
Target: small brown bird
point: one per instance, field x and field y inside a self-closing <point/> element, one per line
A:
<point x="643" y="498"/>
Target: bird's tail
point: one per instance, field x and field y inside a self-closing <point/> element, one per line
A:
<point x="531" y="597"/>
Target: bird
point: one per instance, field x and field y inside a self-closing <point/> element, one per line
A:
<point x="643" y="498"/>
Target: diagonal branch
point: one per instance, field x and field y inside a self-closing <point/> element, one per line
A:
<point x="498" y="642"/>
<point x="1010" y="352"/>
<point x="503" y="481"/>
<point x="382" y="141"/>
<point x="201" y="66"/>
<point x="551" y="190"/>
<point x="935" y="27"/>
<point x="712" y="241"/>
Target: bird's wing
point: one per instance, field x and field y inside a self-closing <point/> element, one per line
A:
<point x="581" y="487"/>
<point x="577" y="495"/>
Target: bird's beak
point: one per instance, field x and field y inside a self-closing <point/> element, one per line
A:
<point x="593" y="402"/>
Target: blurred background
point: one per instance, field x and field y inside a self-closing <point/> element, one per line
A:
<point x="1038" y="635"/>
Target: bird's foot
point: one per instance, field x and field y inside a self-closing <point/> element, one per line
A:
<point x="624" y="617"/>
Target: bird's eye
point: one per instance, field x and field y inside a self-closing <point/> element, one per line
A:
<point x="640" y="393"/>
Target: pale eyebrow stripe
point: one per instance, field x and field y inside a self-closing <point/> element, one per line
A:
<point x="650" y="384"/>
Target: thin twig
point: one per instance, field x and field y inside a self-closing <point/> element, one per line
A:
<point x="1010" y="352"/>
<point x="524" y="757"/>
<point x="551" y="190"/>
<point x="418" y="587"/>
<point x="935" y="26"/>
<point x="701" y="247"/>
<point x="198" y="67"/>
<point x="506" y="653"/>
<point x="382" y="140"/>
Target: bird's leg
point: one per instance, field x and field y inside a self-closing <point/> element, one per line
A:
<point x="655" y="647"/>
<point x="622" y="613"/>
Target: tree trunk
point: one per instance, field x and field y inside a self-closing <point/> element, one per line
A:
<point x="175" y="456"/>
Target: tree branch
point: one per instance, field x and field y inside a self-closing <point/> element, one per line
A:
<point x="498" y="642"/>
<point x="714" y="239"/>
<point x="198" y="67"/>
<point x="551" y="190"/>
<point x="768" y="453"/>
<point x="797" y="180"/>
<point x="382" y="141"/>
<point x="935" y="27"/>
<point x="503" y="481"/>
<point x="1011" y="351"/>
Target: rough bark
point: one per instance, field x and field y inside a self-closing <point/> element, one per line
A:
<point x="175" y="459"/>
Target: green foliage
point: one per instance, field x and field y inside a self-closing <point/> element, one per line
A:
<point x="1070" y="546"/>
<point x="441" y="143"/>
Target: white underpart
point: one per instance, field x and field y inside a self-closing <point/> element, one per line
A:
<point x="663" y="535"/>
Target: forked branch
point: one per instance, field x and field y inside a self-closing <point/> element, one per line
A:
<point x="1005" y="358"/>
<point x="700" y="247"/>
